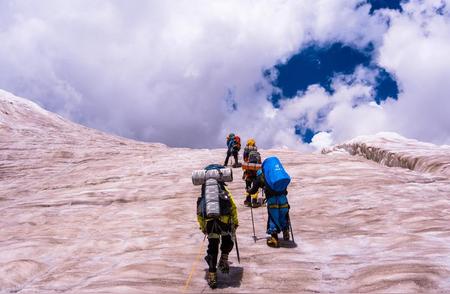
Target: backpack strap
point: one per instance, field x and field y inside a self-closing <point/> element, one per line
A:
<point x="270" y="193"/>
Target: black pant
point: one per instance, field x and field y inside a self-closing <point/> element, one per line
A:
<point x="213" y="243"/>
<point x="213" y="250"/>
<point x="248" y="183"/>
<point x="235" y="155"/>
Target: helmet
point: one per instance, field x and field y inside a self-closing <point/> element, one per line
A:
<point x="251" y="142"/>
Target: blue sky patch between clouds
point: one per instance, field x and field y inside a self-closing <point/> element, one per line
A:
<point x="318" y="65"/>
<point x="382" y="4"/>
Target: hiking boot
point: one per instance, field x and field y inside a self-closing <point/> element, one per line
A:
<point x="272" y="241"/>
<point x="286" y="235"/>
<point x="255" y="203"/>
<point x="247" y="201"/>
<point x="224" y="266"/>
<point x="212" y="280"/>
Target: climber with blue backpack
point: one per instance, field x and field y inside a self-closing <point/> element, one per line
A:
<point x="216" y="216"/>
<point x="274" y="180"/>
<point x="233" y="147"/>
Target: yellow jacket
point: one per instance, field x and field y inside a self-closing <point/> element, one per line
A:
<point x="223" y="218"/>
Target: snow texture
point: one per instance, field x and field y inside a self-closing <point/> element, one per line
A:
<point x="86" y="212"/>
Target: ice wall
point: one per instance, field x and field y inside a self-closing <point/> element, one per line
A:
<point x="393" y="150"/>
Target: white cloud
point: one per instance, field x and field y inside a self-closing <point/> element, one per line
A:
<point x="321" y="140"/>
<point x="162" y="70"/>
<point x="415" y="50"/>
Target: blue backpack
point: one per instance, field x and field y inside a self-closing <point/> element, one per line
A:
<point x="275" y="176"/>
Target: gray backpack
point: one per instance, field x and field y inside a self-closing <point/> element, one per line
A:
<point x="214" y="200"/>
<point x="254" y="157"/>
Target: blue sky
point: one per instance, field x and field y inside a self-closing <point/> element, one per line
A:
<point x="318" y="65"/>
<point x="291" y="74"/>
<point x="385" y="4"/>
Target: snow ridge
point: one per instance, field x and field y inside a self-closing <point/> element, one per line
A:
<point x="391" y="149"/>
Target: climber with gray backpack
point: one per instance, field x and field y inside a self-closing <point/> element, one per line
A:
<point x="274" y="180"/>
<point x="251" y="165"/>
<point x="217" y="217"/>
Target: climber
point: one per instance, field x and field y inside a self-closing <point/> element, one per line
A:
<point x="233" y="147"/>
<point x="217" y="217"/>
<point x="251" y="155"/>
<point x="273" y="179"/>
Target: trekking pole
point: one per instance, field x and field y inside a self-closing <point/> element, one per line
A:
<point x="237" y="247"/>
<point x="290" y="227"/>
<point x="263" y="197"/>
<point x="253" y="223"/>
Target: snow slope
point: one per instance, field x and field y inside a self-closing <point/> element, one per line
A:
<point x="87" y="212"/>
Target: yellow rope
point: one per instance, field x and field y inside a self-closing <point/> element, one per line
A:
<point x="186" y="285"/>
